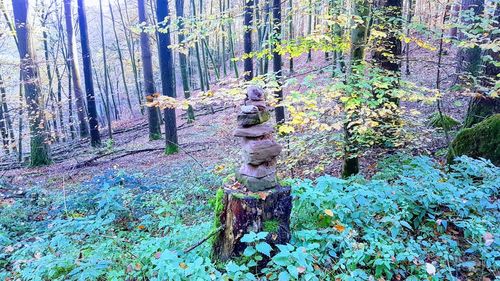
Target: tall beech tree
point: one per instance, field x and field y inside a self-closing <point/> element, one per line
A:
<point x="179" y="10"/>
<point x="167" y="74"/>
<point x="40" y="141"/>
<point x="147" y="70"/>
<point x="95" y="138"/>
<point x="75" y="73"/>
<point x="247" y="40"/>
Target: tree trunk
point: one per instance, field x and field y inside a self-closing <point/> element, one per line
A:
<point x="248" y="26"/>
<point x="75" y="73"/>
<point x="120" y="59"/>
<point x="167" y="75"/>
<point x="95" y="138"/>
<point x="149" y="85"/>
<point x="40" y="148"/>
<point x="131" y="51"/>
<point x="358" y="42"/>
<point x="469" y="59"/>
<point x="277" y="60"/>
<point x="483" y="106"/>
<point x="179" y="6"/>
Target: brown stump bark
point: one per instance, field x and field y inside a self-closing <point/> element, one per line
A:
<point x="245" y="212"/>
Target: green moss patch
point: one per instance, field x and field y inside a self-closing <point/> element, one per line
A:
<point x="480" y="141"/>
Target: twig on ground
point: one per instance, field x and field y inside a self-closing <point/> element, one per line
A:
<point x="204" y="239"/>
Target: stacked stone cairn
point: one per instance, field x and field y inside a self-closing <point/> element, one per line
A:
<point x="259" y="149"/>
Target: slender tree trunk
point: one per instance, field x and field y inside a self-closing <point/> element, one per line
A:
<point x="358" y="42"/>
<point x="5" y="118"/>
<point x="409" y="19"/>
<point x="179" y="6"/>
<point x="95" y="138"/>
<point x="40" y="142"/>
<point x="105" y="66"/>
<point x="131" y="51"/>
<point x="309" y="28"/>
<point x="277" y="60"/>
<point x="75" y="73"/>
<point x="469" y="59"/>
<point x="149" y="85"/>
<point x="49" y="73"/>
<point x="389" y="50"/>
<point x="3" y="126"/>
<point x="120" y="59"/>
<point x="290" y="31"/>
<point x="167" y="76"/>
<point x="482" y="106"/>
<point x="248" y="26"/>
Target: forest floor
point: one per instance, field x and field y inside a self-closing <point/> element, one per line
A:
<point x="208" y="141"/>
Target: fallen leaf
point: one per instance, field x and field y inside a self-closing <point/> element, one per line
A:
<point x="329" y="212"/>
<point x="339" y="227"/>
<point x="183" y="265"/>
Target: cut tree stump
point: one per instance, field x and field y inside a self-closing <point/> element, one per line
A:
<point x="244" y="212"/>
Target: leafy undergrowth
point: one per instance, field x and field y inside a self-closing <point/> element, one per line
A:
<point x="411" y="221"/>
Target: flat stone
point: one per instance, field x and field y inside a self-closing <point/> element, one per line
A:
<point x="249" y="109"/>
<point x="258" y="171"/>
<point x="254" y="131"/>
<point x="251" y="119"/>
<point x="261" y="105"/>
<point x="256" y="152"/>
<point x="255" y="93"/>
<point x="255" y="184"/>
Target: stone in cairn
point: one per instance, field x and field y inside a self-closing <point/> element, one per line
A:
<point x="259" y="149"/>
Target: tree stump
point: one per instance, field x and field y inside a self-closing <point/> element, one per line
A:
<point x="244" y="212"/>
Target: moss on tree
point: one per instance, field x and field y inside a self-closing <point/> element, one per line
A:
<point x="271" y="226"/>
<point x="482" y="140"/>
<point x="171" y="149"/>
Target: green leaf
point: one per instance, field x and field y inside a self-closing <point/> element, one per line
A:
<point x="264" y="248"/>
<point x="249" y="251"/>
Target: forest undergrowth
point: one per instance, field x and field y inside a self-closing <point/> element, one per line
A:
<point x="413" y="220"/>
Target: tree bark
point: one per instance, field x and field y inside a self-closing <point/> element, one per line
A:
<point x="469" y="59"/>
<point x="120" y="59"/>
<point x="248" y="26"/>
<point x="179" y="6"/>
<point x="277" y="59"/>
<point x="40" y="142"/>
<point x="95" y="138"/>
<point x="358" y="41"/>
<point x="167" y="75"/>
<point x="149" y="86"/>
<point x="75" y="73"/>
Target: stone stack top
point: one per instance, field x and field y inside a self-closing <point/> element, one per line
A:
<point x="259" y="149"/>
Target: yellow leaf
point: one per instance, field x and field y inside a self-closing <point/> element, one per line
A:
<point x="183" y="265"/>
